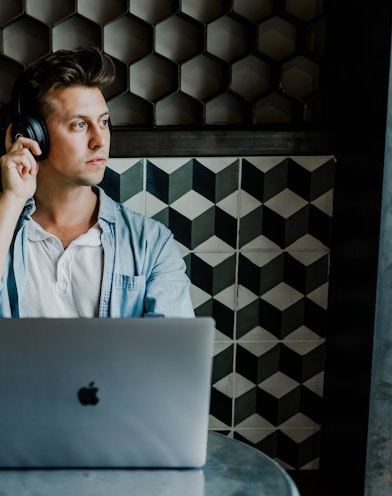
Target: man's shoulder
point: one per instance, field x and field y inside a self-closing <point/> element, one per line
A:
<point x="137" y="218"/>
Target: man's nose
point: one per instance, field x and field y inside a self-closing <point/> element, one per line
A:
<point x="98" y="137"/>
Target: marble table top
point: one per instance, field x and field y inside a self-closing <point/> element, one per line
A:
<point x="232" y="468"/>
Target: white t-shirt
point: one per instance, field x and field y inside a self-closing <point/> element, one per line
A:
<point x="62" y="283"/>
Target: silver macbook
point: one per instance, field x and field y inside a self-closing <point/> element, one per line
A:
<point x="105" y="393"/>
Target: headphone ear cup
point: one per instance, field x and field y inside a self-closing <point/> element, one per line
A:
<point x="33" y="128"/>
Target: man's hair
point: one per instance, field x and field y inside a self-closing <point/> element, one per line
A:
<point x="59" y="70"/>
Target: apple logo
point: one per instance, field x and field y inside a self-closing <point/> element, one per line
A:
<point x="88" y="395"/>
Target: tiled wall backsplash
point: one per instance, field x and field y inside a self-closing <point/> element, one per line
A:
<point x="254" y="232"/>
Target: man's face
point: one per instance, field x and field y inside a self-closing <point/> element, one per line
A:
<point x="79" y="137"/>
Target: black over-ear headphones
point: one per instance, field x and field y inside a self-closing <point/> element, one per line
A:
<point x="23" y="124"/>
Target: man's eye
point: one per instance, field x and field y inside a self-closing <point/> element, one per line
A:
<point x="80" y="125"/>
<point x="105" y="122"/>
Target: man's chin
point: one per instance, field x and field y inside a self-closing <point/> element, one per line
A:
<point x="93" y="180"/>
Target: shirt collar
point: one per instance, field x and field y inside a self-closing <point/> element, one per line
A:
<point x="92" y="237"/>
<point x="107" y="207"/>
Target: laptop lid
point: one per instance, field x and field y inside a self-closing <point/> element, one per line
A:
<point x="105" y="392"/>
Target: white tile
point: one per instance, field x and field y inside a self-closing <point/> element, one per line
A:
<point x="248" y="203"/>
<point x="216" y="164"/>
<point x="245" y="297"/>
<point x="255" y="435"/>
<point x="227" y="297"/>
<point x="261" y="243"/>
<point x="299" y="435"/>
<point x="241" y="385"/>
<point x="154" y="205"/>
<point x="307" y="258"/>
<point x="286" y="203"/>
<point x="230" y="205"/>
<point x="214" y="259"/>
<point x="220" y="346"/>
<point x="265" y="163"/>
<point x="307" y="243"/>
<point x="215" y="424"/>
<point x="258" y="348"/>
<point x="258" y="334"/>
<point x="258" y="422"/>
<point x="121" y="165"/>
<point x="169" y="165"/>
<point x="316" y="384"/>
<point x="214" y="244"/>
<point x="320" y="296"/>
<point x="303" y="333"/>
<point x="226" y="386"/>
<point x="311" y="162"/>
<point x="222" y="338"/>
<point x="192" y="205"/>
<point x="260" y="258"/>
<point x="302" y="347"/>
<point x="278" y="385"/>
<point x="136" y="203"/>
<point x="282" y="296"/>
<point x="198" y="296"/>
<point x="325" y="203"/>
<point x="299" y="421"/>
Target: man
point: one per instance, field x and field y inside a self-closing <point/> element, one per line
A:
<point x="66" y="248"/>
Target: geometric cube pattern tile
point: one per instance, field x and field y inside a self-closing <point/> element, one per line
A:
<point x="255" y="236"/>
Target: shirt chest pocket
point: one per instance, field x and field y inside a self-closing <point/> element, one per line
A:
<point x="128" y="295"/>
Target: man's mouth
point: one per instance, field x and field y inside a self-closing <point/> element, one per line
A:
<point x="97" y="161"/>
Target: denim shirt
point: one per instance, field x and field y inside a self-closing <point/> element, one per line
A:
<point x="143" y="274"/>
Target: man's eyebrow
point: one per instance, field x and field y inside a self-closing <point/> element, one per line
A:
<point x="87" y="117"/>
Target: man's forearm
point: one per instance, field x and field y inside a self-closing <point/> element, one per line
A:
<point x="10" y="210"/>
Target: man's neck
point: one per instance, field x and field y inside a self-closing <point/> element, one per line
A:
<point x="69" y="215"/>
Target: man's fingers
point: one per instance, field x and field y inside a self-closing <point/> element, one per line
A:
<point x="22" y="160"/>
<point x="26" y="165"/>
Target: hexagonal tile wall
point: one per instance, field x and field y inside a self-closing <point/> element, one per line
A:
<point x="195" y="64"/>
